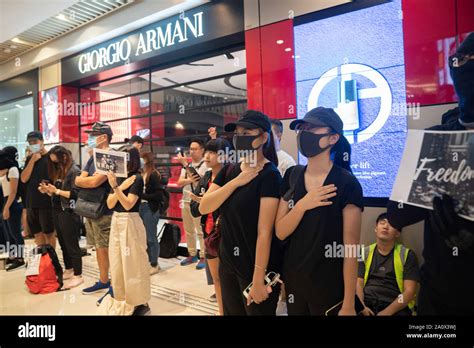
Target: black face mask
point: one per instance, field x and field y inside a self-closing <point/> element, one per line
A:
<point x="244" y="142"/>
<point x="308" y="143"/>
<point x="463" y="78"/>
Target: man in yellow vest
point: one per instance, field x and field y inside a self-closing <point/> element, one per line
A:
<point x="388" y="274"/>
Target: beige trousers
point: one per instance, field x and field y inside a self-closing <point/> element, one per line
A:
<point x="192" y="226"/>
<point x="129" y="267"/>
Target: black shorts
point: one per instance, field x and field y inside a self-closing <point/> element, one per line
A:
<point x="40" y="220"/>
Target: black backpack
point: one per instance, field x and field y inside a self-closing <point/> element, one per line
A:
<point x="170" y="238"/>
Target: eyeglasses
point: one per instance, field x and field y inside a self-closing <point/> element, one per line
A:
<point x="457" y="60"/>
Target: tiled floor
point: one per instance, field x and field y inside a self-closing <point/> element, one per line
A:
<point x="176" y="290"/>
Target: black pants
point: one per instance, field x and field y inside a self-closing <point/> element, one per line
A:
<point x="305" y="296"/>
<point x="12" y="230"/>
<point x="377" y="306"/>
<point x="234" y="301"/>
<point x="67" y="225"/>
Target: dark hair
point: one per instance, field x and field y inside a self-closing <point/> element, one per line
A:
<point x="342" y="153"/>
<point x="278" y="124"/>
<point x="197" y="140"/>
<point x="215" y="145"/>
<point x="382" y="216"/>
<point x="59" y="170"/>
<point x="133" y="165"/>
<point x="269" y="150"/>
<point x="150" y="165"/>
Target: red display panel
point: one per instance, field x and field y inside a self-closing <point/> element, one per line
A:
<point x="429" y="39"/>
<point x="270" y="56"/>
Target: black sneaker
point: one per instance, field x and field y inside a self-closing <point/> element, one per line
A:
<point x="142" y="310"/>
<point x="15" y="264"/>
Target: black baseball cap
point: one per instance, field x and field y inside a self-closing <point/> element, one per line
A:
<point x="251" y="119"/>
<point x="134" y="139"/>
<point x="321" y="117"/>
<point x="99" y="128"/>
<point x="34" y="135"/>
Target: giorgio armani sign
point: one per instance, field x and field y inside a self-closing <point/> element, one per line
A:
<point x="171" y="33"/>
<point x="202" y="28"/>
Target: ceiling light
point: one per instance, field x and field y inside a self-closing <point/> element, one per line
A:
<point x="287" y="49"/>
<point x="279" y="42"/>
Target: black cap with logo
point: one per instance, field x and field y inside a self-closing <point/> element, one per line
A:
<point x="251" y="119"/>
<point x="321" y="117"/>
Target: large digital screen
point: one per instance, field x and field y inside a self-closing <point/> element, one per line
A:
<point x="354" y="63"/>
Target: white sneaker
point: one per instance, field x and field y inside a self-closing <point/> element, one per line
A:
<point x="154" y="270"/>
<point x="73" y="282"/>
<point x="68" y="274"/>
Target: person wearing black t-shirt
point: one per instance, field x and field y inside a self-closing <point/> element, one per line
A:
<point x="39" y="209"/>
<point x="323" y="209"/>
<point x="129" y="268"/>
<point x="63" y="172"/>
<point x="247" y="198"/>
<point x="388" y="274"/>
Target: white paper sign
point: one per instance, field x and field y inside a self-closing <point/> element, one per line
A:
<point x="33" y="265"/>
<point x="114" y="161"/>
<point x="436" y="163"/>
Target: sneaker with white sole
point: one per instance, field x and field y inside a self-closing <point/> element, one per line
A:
<point x="97" y="287"/>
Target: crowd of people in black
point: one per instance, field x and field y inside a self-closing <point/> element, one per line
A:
<point x="263" y="229"/>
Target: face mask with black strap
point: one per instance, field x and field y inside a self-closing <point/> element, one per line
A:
<point x="308" y="143"/>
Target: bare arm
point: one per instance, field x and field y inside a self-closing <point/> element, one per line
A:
<point x="266" y="218"/>
<point x="127" y="201"/>
<point x="288" y="219"/>
<point x="351" y="235"/>
<point x="13" y="191"/>
<point x="403" y="299"/>
<point x="26" y="173"/>
<point x="216" y="195"/>
<point x="112" y="200"/>
<point x="86" y="181"/>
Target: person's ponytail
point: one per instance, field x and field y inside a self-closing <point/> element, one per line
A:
<point x="342" y="153"/>
<point x="269" y="150"/>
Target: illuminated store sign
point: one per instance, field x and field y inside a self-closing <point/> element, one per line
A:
<point x="173" y="33"/>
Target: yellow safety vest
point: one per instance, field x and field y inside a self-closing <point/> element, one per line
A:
<point x="400" y="255"/>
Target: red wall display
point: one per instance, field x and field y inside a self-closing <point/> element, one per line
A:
<point x="271" y="86"/>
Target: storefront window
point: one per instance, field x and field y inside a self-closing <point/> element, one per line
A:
<point x="169" y="107"/>
<point x="17" y="121"/>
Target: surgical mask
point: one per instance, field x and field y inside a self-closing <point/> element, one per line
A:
<point x="92" y="141"/>
<point x="35" y="148"/>
<point x="308" y="143"/>
<point x="244" y="142"/>
<point x="142" y="163"/>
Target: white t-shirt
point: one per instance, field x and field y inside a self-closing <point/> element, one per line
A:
<point x="285" y="161"/>
<point x="201" y="168"/>
<point x="13" y="173"/>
